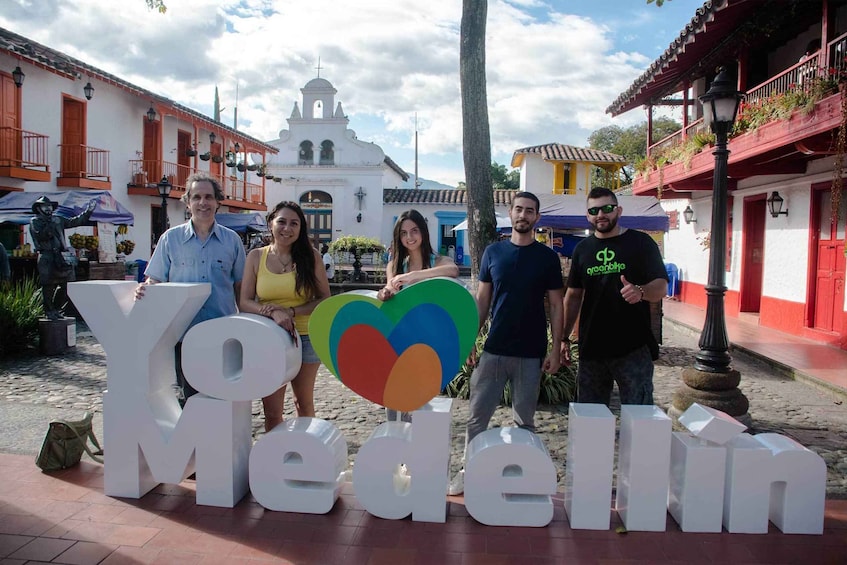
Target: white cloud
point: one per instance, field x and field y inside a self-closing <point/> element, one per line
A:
<point x="550" y="74"/>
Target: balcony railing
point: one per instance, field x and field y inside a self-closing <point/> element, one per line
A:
<point x="797" y="76"/>
<point x="82" y="161"/>
<point x="147" y="173"/>
<point x="25" y="149"/>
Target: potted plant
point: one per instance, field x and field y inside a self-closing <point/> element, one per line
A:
<point x="217" y="159"/>
<point x="241" y="167"/>
<point x="269" y="176"/>
<point x="230" y="159"/>
<point x="253" y="167"/>
<point x="191" y="152"/>
<point x="205" y="156"/>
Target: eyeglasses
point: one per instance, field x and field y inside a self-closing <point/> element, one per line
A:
<point x="606" y="209"/>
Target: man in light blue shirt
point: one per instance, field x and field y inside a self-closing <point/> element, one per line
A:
<point x="199" y="251"/>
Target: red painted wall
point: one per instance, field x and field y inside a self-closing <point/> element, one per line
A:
<point x="695" y="294"/>
<point x="782" y="315"/>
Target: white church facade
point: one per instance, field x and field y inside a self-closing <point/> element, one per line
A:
<point x="336" y="178"/>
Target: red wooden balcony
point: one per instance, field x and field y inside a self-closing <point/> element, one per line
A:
<point x="238" y="192"/>
<point x="84" y="167"/>
<point x="23" y="155"/>
<point x="776" y="147"/>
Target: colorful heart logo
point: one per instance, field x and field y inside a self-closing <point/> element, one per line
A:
<point x="400" y="353"/>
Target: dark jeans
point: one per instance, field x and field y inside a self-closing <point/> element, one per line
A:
<point x="633" y="372"/>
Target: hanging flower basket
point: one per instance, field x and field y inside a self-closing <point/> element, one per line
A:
<point x="241" y="167"/>
<point x="230" y="164"/>
<point x="217" y="159"/>
<point x="269" y="177"/>
<point x="253" y="167"/>
<point x="277" y="179"/>
<point x="205" y="156"/>
<point x="191" y="152"/>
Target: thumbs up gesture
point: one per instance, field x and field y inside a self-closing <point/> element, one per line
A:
<point x="632" y="293"/>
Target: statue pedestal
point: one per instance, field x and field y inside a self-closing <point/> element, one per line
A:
<point x="57" y="336"/>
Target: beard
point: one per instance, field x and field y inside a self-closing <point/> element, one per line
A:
<point x="606" y="228"/>
<point x="522" y="227"/>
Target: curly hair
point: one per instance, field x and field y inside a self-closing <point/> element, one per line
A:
<point x="302" y="253"/>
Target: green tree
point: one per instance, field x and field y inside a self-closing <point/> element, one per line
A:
<point x="500" y="178"/>
<point x="631" y="142"/>
<point x="476" y="135"/>
<point x="504" y="179"/>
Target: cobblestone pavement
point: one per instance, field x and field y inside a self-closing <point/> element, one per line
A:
<point x="35" y="390"/>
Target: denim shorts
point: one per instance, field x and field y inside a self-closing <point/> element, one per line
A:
<point x="309" y="355"/>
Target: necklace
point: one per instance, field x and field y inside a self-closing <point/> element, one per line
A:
<point x="286" y="266"/>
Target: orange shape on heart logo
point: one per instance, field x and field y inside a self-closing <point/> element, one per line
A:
<point x="414" y="380"/>
<point x="365" y="361"/>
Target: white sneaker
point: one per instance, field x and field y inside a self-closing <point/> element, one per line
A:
<point x="457" y="485"/>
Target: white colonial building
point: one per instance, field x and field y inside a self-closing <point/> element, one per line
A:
<point x="336" y="178"/>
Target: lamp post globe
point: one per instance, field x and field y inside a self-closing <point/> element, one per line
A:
<point x="712" y="382"/>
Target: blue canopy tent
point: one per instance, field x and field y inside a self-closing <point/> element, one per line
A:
<point x="243" y="223"/>
<point x="16" y="207"/>
<point x="567" y="211"/>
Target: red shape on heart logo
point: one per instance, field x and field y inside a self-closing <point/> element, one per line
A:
<point x="365" y="360"/>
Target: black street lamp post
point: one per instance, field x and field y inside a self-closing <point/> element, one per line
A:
<point x="164" y="188"/>
<point x="712" y="382"/>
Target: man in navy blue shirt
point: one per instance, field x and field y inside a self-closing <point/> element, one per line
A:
<point x="515" y="276"/>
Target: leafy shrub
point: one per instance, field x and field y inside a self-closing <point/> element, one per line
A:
<point x="356" y="244"/>
<point x="20" y="308"/>
<point x="556" y="388"/>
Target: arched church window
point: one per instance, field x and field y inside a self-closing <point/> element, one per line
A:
<point x="306" y="156"/>
<point x="318" y="110"/>
<point x="327" y="153"/>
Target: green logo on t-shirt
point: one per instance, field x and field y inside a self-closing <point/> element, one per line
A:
<point x="606" y="264"/>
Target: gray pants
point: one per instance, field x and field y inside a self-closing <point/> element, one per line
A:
<point x="488" y="380"/>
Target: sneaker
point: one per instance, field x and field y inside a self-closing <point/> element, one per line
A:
<point x="457" y="485"/>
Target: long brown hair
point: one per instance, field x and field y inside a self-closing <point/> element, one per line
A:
<point x="302" y="253"/>
<point x="400" y="252"/>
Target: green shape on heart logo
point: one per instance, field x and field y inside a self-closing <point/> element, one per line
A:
<point x="402" y="352"/>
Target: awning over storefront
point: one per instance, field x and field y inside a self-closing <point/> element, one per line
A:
<point x="243" y="223"/>
<point x="567" y="211"/>
<point x="16" y="207"/>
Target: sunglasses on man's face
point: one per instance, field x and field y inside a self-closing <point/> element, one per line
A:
<point x="606" y="209"/>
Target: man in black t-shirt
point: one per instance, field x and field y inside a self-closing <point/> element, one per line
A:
<point x="614" y="274"/>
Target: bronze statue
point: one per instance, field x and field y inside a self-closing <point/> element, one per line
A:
<point x="48" y="235"/>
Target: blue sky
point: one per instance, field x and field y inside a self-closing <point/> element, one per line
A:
<point x="552" y="67"/>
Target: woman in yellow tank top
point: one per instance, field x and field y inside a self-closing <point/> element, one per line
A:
<point x="285" y="281"/>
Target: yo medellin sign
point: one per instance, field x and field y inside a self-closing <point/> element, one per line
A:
<point x="400" y="354"/>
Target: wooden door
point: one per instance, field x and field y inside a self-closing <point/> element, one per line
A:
<point x="830" y="265"/>
<point x="10" y="139"/>
<point x="73" y="138"/>
<point x="183" y="144"/>
<point x="753" y="258"/>
<point x="152" y="166"/>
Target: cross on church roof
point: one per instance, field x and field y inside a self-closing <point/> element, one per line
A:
<point x="319" y="66"/>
